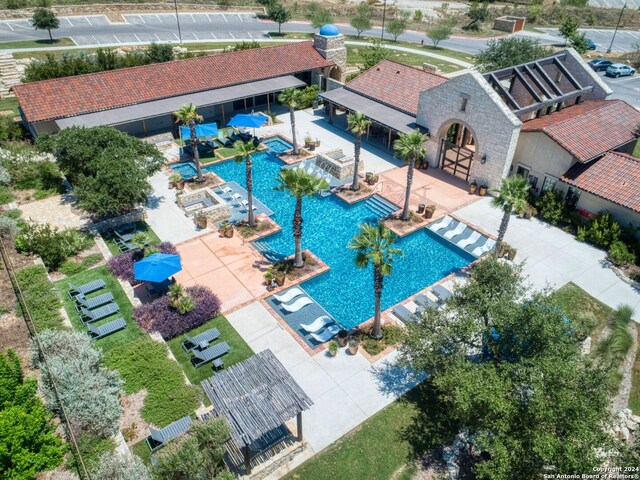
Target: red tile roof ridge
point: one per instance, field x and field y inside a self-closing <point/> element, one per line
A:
<point x="414" y="67"/>
<point x="555" y="118"/>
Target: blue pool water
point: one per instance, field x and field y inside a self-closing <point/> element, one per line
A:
<point x="329" y="225"/>
<point x="278" y="144"/>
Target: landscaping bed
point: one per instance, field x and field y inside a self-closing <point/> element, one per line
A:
<point x="264" y="227"/>
<point x="347" y="195"/>
<point x="239" y="350"/>
<point x="140" y="227"/>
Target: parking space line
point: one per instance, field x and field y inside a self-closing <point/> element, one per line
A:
<point x="9" y="25"/>
<point x="225" y="18"/>
<point x="192" y="19"/>
<point x="240" y="17"/>
<point x="117" y="39"/>
<point x="137" y="38"/>
<point x="95" y="40"/>
<point x="177" y="38"/>
<point x="87" y="19"/>
<point x="157" y="37"/>
<point x="141" y="19"/>
<point x="195" y="36"/>
<point x="232" y="35"/>
<point x="210" y="21"/>
<point x="158" y="17"/>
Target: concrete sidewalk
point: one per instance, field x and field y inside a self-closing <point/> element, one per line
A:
<point x="555" y="257"/>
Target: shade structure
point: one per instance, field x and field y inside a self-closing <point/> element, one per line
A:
<point x="244" y="120"/>
<point x="203" y="130"/>
<point x="157" y="267"/>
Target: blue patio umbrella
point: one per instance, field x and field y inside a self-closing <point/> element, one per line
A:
<point x="244" y="120"/>
<point x="157" y="267"/>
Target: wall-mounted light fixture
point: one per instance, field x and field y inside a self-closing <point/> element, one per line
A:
<point x="483" y="160"/>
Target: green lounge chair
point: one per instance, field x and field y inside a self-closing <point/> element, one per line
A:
<point x="201" y="357"/>
<point x="99" y="313"/>
<point x="91" y="303"/>
<point x="106" y="329"/>
<point x="199" y="340"/>
<point x="86" y="288"/>
<point x="158" y="438"/>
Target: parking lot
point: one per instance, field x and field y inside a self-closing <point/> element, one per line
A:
<point x="624" y="41"/>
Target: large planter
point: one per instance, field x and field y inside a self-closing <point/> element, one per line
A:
<point x="503" y="250"/>
<point x="421" y="208"/>
<point x="511" y="253"/>
<point x="428" y="213"/>
<point x="342" y="338"/>
<point x="201" y="222"/>
<point x="180" y="185"/>
<point x="472" y="188"/>
<point x="280" y="280"/>
<point x="483" y="190"/>
<point x="229" y="233"/>
<point x="371" y="178"/>
<point x="353" y="345"/>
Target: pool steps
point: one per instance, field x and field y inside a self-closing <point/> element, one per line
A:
<point x="380" y="206"/>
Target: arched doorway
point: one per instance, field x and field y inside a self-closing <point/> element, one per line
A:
<point x="457" y="149"/>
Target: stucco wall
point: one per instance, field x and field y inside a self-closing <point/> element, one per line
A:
<point x="495" y="128"/>
<point x="543" y="156"/>
<point x="594" y="204"/>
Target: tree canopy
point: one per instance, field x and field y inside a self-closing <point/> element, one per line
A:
<point x="45" y="19"/>
<point x="373" y="54"/>
<point x="437" y="33"/>
<point x="278" y="13"/>
<point x="28" y="444"/>
<point x="362" y="20"/>
<point x="510" y="51"/>
<point x="396" y="27"/>
<point x="506" y="365"/>
<point x="107" y="168"/>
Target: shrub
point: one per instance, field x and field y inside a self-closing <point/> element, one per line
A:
<point x="122" y="265"/>
<point x="13" y="213"/>
<point x="309" y="95"/>
<point x="160" y="316"/>
<point x="5" y="178"/>
<point x="30" y="169"/>
<point x="6" y="195"/>
<point x="89" y="392"/>
<point x="112" y="466"/>
<point x="10" y="130"/>
<point x="620" y="254"/>
<point x="8" y="227"/>
<point x="144" y="364"/>
<point x="28" y="443"/>
<point x="50" y="243"/>
<point x="601" y="231"/>
<point x="71" y="268"/>
<point x="551" y="207"/>
<point x="91" y="448"/>
<point x="40" y="297"/>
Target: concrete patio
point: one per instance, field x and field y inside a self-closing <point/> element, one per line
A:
<point x="346" y="389"/>
<point x="553" y="257"/>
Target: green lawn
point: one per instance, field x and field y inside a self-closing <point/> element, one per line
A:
<point x="9" y="103"/>
<point x="239" y="350"/>
<point x="144" y="364"/>
<point x="131" y="333"/>
<point x="57" y="42"/>
<point x="141" y="449"/>
<point x="415" y="59"/>
<point x="383" y="444"/>
<point x="141" y="227"/>
<point x="573" y="300"/>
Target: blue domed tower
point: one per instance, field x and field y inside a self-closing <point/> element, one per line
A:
<point x="330" y="44"/>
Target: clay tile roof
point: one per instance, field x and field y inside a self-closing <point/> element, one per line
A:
<point x="614" y="177"/>
<point x="395" y="84"/>
<point x="70" y="96"/>
<point x="588" y="129"/>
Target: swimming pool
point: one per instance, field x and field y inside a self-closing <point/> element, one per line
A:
<point x="346" y="292"/>
<point x="278" y="144"/>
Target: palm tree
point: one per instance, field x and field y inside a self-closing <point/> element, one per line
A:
<point x="187" y="115"/>
<point x="299" y="183"/>
<point x="245" y="150"/>
<point x="292" y="98"/>
<point x="374" y="244"/>
<point x="358" y="124"/>
<point x="410" y="147"/>
<point x="512" y="194"/>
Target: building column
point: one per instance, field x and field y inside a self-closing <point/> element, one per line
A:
<point x="268" y="106"/>
<point x="331" y="112"/>
<point x="299" y="426"/>
<point x="245" y="104"/>
<point x="247" y="460"/>
<point x="389" y="141"/>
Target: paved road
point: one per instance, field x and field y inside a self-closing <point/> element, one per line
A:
<point x="624" y="41"/>
<point x="144" y="28"/>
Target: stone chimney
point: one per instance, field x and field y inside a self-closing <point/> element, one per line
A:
<point x="329" y="42"/>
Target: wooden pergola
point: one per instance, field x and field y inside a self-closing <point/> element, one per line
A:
<point x="257" y="396"/>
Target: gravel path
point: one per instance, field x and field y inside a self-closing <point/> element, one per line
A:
<point x="622" y="399"/>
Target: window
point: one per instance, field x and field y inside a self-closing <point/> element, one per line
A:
<point x="549" y="184"/>
<point x="522" y="171"/>
<point x="533" y="181"/>
<point x="573" y="195"/>
<point x="463" y="104"/>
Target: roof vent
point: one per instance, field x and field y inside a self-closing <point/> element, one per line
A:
<point x="397" y="72"/>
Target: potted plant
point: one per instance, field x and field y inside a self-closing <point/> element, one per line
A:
<point x="472" y="187"/>
<point x="174" y="179"/>
<point x="421" y="208"/>
<point x="280" y="277"/>
<point x="317" y="142"/>
<point x="268" y="278"/>
<point x="332" y="348"/>
<point x="353" y="345"/>
<point x="371" y="178"/>
<point x="226" y="230"/>
<point x="201" y="219"/>
<point x="483" y="190"/>
<point x="429" y="211"/>
<point x="308" y="141"/>
<point x="530" y="211"/>
<point x="511" y="252"/>
<point x="503" y="249"/>
<point x="342" y="337"/>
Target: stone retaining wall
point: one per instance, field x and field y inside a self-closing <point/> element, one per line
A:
<point x="137" y="215"/>
<point x="337" y="163"/>
<point x="217" y="212"/>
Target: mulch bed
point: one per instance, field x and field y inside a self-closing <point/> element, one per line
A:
<point x="349" y="196"/>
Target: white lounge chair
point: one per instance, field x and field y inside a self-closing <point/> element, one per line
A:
<point x="227" y="190"/>
<point x="442" y="224"/>
<point x="318" y="324"/>
<point x="297" y="305"/>
<point x="289" y="295"/>
<point x="245" y="204"/>
<point x="481" y="250"/>
<point x="327" y="334"/>
<point x="469" y="240"/>
<point x="456" y="231"/>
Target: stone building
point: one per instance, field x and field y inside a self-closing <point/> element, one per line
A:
<point x="329" y="42"/>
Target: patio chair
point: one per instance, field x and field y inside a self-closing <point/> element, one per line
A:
<point x="201" y="340"/>
<point x="318" y="324"/>
<point x="245" y="204"/>
<point x="456" y="231"/>
<point x="297" y="305"/>
<point x="201" y="357"/>
<point x="442" y="293"/>
<point x="327" y="334"/>
<point x="227" y="190"/>
<point x="158" y="438"/>
<point x="469" y="240"/>
<point x="425" y="301"/>
<point x="479" y="251"/>
<point x="442" y="224"/>
<point x="99" y="313"/>
<point x="106" y="329"/>
<point x="91" y="303"/>
<point x="124" y="247"/>
<point x="404" y="314"/>
<point x="125" y="237"/>
<point x="86" y="288"/>
<point x="289" y="295"/>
